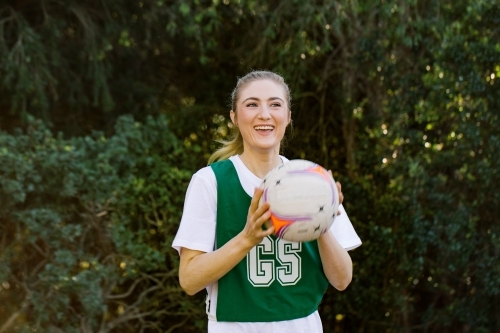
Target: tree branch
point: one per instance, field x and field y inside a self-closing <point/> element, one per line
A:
<point x="170" y="330"/>
<point x="14" y="316"/>
<point x="126" y="294"/>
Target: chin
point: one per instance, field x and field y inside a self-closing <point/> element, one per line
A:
<point x="270" y="147"/>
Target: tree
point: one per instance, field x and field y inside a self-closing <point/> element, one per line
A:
<point x="398" y="98"/>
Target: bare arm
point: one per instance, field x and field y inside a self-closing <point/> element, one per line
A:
<point x="199" y="269"/>
<point x="337" y="264"/>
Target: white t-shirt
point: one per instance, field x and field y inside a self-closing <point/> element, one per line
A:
<point x="197" y="232"/>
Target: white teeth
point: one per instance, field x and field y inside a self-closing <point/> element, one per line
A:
<point x="264" y="127"/>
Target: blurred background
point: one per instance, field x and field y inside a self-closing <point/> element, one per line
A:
<point x="108" y="107"/>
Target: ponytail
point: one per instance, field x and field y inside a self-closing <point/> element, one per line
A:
<point x="234" y="146"/>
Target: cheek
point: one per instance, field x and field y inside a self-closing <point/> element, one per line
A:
<point x="284" y="119"/>
<point x="243" y="120"/>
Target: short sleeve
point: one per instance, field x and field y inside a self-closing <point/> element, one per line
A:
<point x="344" y="232"/>
<point x="198" y="223"/>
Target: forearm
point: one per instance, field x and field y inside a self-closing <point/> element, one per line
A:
<point x="199" y="271"/>
<point x="337" y="264"/>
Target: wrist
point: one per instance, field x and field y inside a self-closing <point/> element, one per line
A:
<point x="243" y="242"/>
<point x="325" y="237"/>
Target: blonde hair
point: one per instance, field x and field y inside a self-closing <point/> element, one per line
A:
<point x="234" y="146"/>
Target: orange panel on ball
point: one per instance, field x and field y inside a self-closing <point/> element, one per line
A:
<point x="320" y="170"/>
<point x="279" y="224"/>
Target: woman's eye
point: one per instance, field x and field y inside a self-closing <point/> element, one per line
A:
<point x="251" y="104"/>
<point x="276" y="105"/>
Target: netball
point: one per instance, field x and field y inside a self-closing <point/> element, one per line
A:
<point x="303" y="198"/>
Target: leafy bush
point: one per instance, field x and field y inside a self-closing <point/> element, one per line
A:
<point x="87" y="225"/>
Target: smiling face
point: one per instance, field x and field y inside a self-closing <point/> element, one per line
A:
<point x="262" y="115"/>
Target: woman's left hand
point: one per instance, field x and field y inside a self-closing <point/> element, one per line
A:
<point x="339" y="188"/>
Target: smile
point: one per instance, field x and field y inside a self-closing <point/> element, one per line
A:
<point x="264" y="128"/>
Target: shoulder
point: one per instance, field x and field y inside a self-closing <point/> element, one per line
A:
<point x="207" y="176"/>
<point x="203" y="178"/>
<point x="284" y="159"/>
<point x="205" y="172"/>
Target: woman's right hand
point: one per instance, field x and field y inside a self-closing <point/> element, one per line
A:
<point x="254" y="232"/>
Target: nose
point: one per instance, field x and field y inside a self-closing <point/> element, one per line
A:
<point x="264" y="113"/>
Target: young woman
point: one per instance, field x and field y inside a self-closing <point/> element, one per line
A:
<point x="255" y="282"/>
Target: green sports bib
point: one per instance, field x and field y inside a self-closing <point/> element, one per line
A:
<point x="278" y="280"/>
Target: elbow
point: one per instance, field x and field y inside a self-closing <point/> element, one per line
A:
<point x="188" y="289"/>
<point x="342" y="282"/>
<point x="341" y="285"/>
<point x="190" y="292"/>
<point x="190" y="279"/>
<point x="187" y="285"/>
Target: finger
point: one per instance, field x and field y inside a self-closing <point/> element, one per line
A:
<point x="268" y="231"/>
<point x="254" y="204"/>
<point x="262" y="218"/>
<point x="261" y="210"/>
<point x="341" y="195"/>
<point x="265" y="224"/>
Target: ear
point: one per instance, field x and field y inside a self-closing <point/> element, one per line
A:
<point x="289" y="117"/>
<point x="232" y="114"/>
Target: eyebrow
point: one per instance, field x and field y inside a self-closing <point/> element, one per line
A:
<point x="269" y="99"/>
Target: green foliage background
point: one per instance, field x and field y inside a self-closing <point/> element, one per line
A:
<point x="108" y="107"/>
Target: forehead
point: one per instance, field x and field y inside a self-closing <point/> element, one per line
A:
<point x="263" y="90"/>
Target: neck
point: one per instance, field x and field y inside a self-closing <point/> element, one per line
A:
<point x="260" y="163"/>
